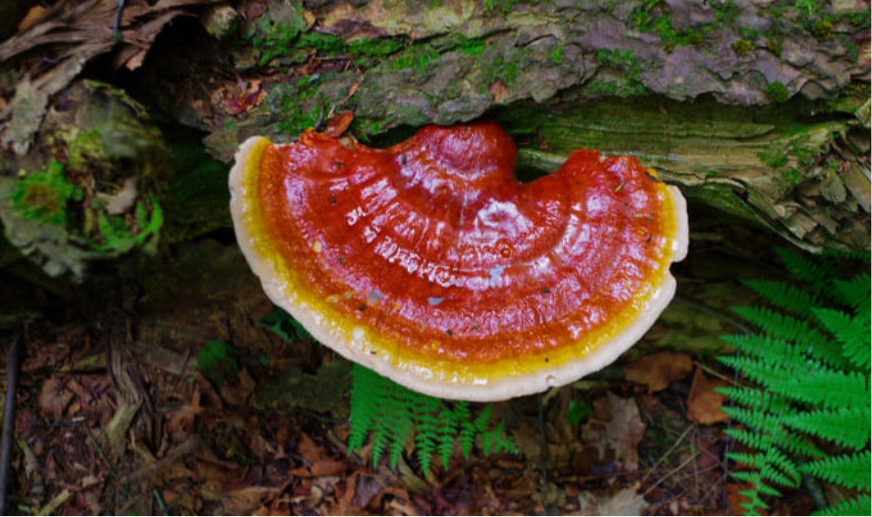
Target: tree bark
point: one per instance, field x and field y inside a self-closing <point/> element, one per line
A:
<point x="758" y="109"/>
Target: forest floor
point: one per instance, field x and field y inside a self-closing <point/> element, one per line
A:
<point x="115" y="416"/>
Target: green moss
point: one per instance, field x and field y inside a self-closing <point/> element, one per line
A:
<point x="626" y="62"/>
<point x="45" y="196"/>
<point x="654" y="16"/>
<point x="742" y="47"/>
<point x="773" y="43"/>
<point x="777" y="92"/>
<point x="288" y="41"/>
<point x="504" y="6"/>
<point x="331" y="45"/>
<point x="301" y="104"/>
<point x="416" y="57"/>
<point x="823" y="29"/>
<point x="509" y="72"/>
<point x="556" y="56"/>
<point x="725" y="12"/>
<point x="806" y="7"/>
<point x="859" y="18"/>
<point x="774" y="156"/>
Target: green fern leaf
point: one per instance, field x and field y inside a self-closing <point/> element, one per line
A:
<point x="848" y="470"/>
<point x="852" y="333"/>
<point x="846" y="426"/>
<point x="813" y="272"/>
<point x="780" y="325"/>
<point x="855" y="293"/>
<point x="447" y="434"/>
<point x="495" y="440"/>
<point x="789" y="441"/>
<point x="765" y="352"/>
<point x="365" y="394"/>
<point x="425" y="432"/>
<point x="467" y="427"/>
<point x="859" y="505"/>
<point x="815" y="344"/>
<point x="786" y="296"/>
<point x="827" y="388"/>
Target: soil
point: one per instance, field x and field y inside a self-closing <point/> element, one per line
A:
<point x="114" y="415"/>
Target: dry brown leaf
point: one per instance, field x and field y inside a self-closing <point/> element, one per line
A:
<point x="135" y="61"/>
<point x="181" y="421"/>
<point x="735" y="500"/>
<point x="309" y="450"/>
<point x="54" y="398"/>
<point x="243" y="501"/>
<point x="627" y="501"/>
<point x="656" y="371"/>
<point x="320" y="468"/>
<point x="33" y="15"/>
<point x="620" y="434"/>
<point x="703" y="402"/>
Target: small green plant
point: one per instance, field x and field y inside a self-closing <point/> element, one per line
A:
<point x="394" y="416"/>
<point x="45" y="195"/>
<point x="116" y="233"/>
<point x="216" y="359"/>
<point x="808" y="412"/>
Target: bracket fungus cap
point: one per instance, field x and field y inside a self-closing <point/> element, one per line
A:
<point x="429" y="263"/>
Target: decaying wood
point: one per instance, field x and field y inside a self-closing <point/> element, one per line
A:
<point x="676" y="82"/>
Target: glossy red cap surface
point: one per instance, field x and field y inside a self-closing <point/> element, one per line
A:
<point x="431" y="264"/>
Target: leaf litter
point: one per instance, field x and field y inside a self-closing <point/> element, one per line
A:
<point x="236" y="440"/>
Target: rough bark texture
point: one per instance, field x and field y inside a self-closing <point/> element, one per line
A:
<point x="759" y="109"/>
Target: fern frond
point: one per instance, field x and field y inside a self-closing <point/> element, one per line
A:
<point x="789" y="441"/>
<point x="780" y="325"/>
<point x="398" y="423"/>
<point x="761" y="352"/>
<point x="855" y="293"/>
<point x="425" y="432"/>
<point x="813" y="272"/>
<point x="848" y="470"/>
<point x="824" y="387"/>
<point x="786" y="296"/>
<point x="364" y="405"/>
<point x="394" y="417"/>
<point x="859" y="505"/>
<point x="754" y="398"/>
<point x="762" y="421"/>
<point x="754" y="505"/>
<point x="470" y="428"/>
<point x="846" y="426"/>
<point x="772" y="465"/>
<point x="496" y="440"/>
<point x="446" y="436"/>
<point x="852" y="333"/>
<point x="809" y="339"/>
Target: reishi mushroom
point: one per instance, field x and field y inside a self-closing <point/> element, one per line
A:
<point x="429" y="263"/>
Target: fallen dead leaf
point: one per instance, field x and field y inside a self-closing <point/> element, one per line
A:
<point x="54" y="398"/>
<point x="627" y="501"/>
<point x="735" y="500"/>
<point x="308" y="449"/>
<point x="620" y="434"/>
<point x="320" y="468"/>
<point x="243" y="501"/>
<point x="33" y="15"/>
<point x="656" y="371"/>
<point x="703" y="402"/>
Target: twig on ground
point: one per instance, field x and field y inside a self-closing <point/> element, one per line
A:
<point x="13" y="363"/>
